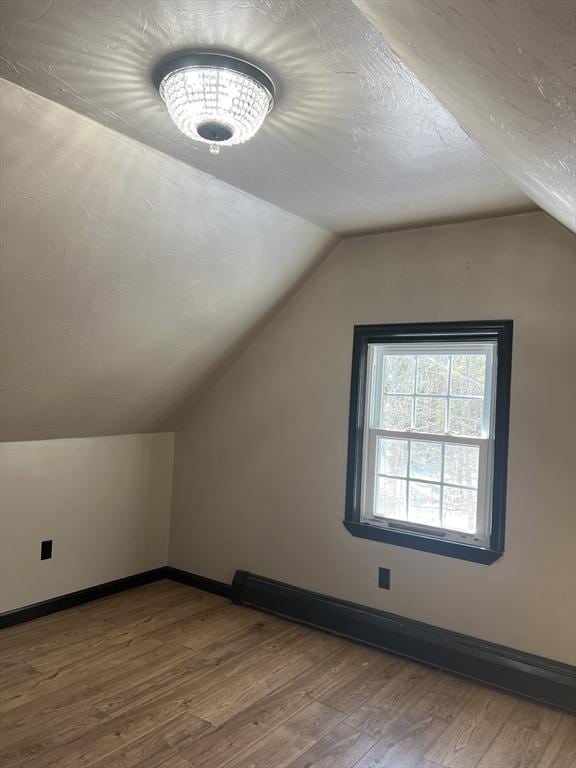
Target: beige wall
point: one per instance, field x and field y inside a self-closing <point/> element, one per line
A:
<point x="129" y="279"/>
<point x="260" y="465"/>
<point x="105" y="502"/>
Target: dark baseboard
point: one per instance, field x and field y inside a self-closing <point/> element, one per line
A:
<point x="60" y="603"/>
<point x="544" y="680"/>
<point x="200" y="582"/>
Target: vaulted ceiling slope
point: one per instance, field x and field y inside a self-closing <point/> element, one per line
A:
<point x="506" y="69"/>
<point x="127" y="276"/>
<point x="355" y="142"/>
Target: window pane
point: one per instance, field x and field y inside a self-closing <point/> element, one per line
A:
<point x="393" y="457"/>
<point x="468" y="375"/>
<point x="399" y="374"/>
<point x="426" y="460"/>
<point x="396" y="413"/>
<point x="466" y="417"/>
<point x="432" y="376"/>
<point x="459" y="510"/>
<point x="424" y="504"/>
<point x="390" y="498"/>
<point x="461" y="465"/>
<point x="430" y="415"/>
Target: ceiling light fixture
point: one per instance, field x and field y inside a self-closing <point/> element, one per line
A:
<point x="215" y="98"/>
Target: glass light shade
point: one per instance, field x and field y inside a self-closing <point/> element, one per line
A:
<point x="215" y="105"/>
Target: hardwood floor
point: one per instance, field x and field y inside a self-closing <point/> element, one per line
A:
<point x="166" y="675"/>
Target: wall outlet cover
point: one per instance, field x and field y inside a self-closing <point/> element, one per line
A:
<point x="384" y="578"/>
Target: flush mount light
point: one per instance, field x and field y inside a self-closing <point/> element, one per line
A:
<point x="215" y="98"/>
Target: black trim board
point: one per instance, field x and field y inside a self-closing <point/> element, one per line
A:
<point x="545" y="680"/>
<point x="423" y="543"/>
<point x="499" y="331"/>
<point x="60" y="603"/>
<point x="200" y="582"/>
<point x="522" y="673"/>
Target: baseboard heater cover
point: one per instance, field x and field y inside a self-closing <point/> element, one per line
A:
<point x="538" y="678"/>
<point x="544" y="680"/>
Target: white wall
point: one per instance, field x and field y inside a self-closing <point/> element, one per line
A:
<point x="260" y="466"/>
<point x="105" y="502"/>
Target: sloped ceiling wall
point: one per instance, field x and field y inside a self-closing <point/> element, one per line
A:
<point x="506" y="69"/>
<point x="130" y="279"/>
<point x="127" y="276"/>
<point x="354" y="142"/>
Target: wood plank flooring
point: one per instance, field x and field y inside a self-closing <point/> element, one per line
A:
<point x="166" y="675"/>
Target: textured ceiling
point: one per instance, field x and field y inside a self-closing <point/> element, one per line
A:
<point x="355" y="142"/>
<point x="506" y="69"/>
<point x="127" y="276"/>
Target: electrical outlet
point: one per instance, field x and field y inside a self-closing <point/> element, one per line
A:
<point x="46" y="550"/>
<point x="384" y="578"/>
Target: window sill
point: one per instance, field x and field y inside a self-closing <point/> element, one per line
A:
<point x="423" y="543"/>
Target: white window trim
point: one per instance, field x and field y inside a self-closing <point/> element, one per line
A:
<point x="485" y="444"/>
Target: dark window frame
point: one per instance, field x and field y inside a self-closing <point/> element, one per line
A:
<point x="499" y="331"/>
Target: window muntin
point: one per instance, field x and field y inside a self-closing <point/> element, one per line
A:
<point x="428" y="438"/>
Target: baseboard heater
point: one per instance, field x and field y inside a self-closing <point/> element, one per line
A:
<point x="545" y="680"/>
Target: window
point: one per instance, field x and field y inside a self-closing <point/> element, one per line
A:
<point x="428" y="436"/>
